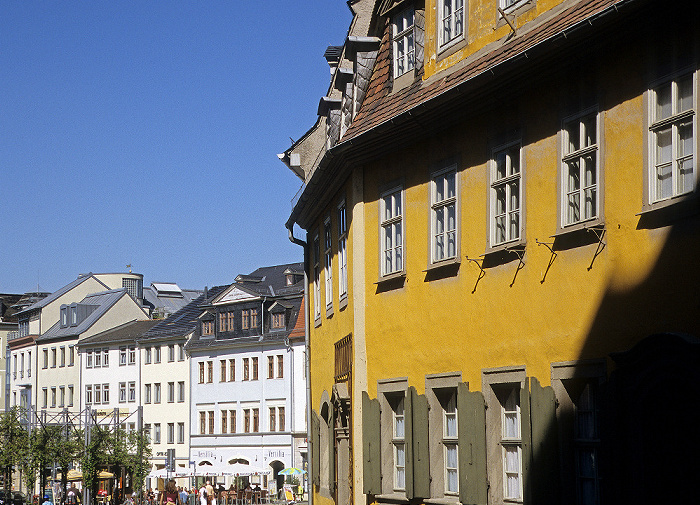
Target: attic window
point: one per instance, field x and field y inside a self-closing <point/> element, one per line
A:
<point x="404" y="42"/>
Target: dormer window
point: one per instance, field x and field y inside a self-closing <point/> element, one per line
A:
<point x="451" y="21"/>
<point x="404" y="42"/>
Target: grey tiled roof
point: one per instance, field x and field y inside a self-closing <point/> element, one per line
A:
<point x="101" y="302"/>
<point x="127" y="332"/>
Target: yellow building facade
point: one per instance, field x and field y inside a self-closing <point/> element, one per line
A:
<point x="502" y="230"/>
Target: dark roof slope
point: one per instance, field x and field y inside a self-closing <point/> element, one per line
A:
<point x="127" y="332"/>
<point x="185" y="320"/>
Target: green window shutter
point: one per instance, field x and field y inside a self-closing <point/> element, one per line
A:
<point x="408" y="438"/>
<point x="371" y="453"/>
<point x="315" y="452"/>
<point x="545" y="461"/>
<point x="331" y="449"/>
<point x="471" y="430"/>
<point x="525" y="436"/>
<point x="421" y="451"/>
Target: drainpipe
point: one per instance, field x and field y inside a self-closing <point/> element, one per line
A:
<point x="307" y="366"/>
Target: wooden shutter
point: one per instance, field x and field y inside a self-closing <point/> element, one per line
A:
<point x="315" y="449"/>
<point x="471" y="419"/>
<point x="525" y="436"/>
<point x="421" y="451"/>
<point x="371" y="453"/>
<point x="408" y="438"/>
<point x="545" y="466"/>
<point x="331" y="448"/>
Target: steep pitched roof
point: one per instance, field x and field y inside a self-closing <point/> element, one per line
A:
<point x="185" y="320"/>
<point x="127" y="332"/>
<point x="99" y="303"/>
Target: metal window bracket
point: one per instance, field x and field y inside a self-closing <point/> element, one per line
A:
<point x="482" y="273"/>
<point x="548" y="245"/>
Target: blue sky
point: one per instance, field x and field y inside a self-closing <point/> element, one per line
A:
<point x="146" y="133"/>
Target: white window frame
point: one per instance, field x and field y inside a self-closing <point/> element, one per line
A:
<point x="505" y="183"/>
<point x="451" y="14"/>
<point x="672" y="122"/>
<point x="441" y="207"/>
<point x="580" y="123"/>
<point x="328" y="262"/>
<point x="342" y="250"/>
<point x="403" y="35"/>
<point x="391" y="225"/>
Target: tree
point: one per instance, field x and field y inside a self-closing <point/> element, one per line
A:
<point x="14" y="444"/>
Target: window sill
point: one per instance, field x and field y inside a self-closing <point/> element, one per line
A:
<point x="443" y="264"/>
<point x="583" y="225"/>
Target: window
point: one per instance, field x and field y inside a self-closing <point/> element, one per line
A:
<point x="317" y="278"/>
<point x="180" y="433"/>
<point x="672" y="139"/>
<point x="105" y="393"/>
<point x="391" y="231"/>
<point x="181" y="352"/>
<point x="232" y="418"/>
<point x="202" y="423"/>
<point x="506" y="195"/>
<point x="224" y="421"/>
<point x="444" y="214"/>
<point x="211" y="422"/>
<point x="403" y="42"/>
<point x="71" y="355"/>
<point x="222" y="371"/>
<point x="88" y="395"/>
<point x="270" y="367"/>
<point x="207" y="327"/>
<point x="256" y="420"/>
<point x="156" y="433"/>
<point x="246" y="420"/>
<point x="132" y="355"/>
<point x="46" y="358"/>
<point x="171" y="433"/>
<point x="273" y="419"/>
<point x="451" y="21"/>
<point x="156" y="356"/>
<point x="147" y="356"/>
<point x="232" y="370"/>
<point x="181" y="392"/>
<point x="280" y="418"/>
<point x="63" y="356"/>
<point x="246" y="369"/>
<point x="280" y="366"/>
<point x="171" y="353"/>
<point x="328" y="270"/>
<point x="171" y="392"/>
<point x="342" y="250"/>
<point x="255" y="369"/>
<point x="122" y="392"/>
<point x="511" y="441"/>
<point x="278" y="320"/>
<point x="88" y="359"/>
<point x="253" y="318"/>
<point x="201" y="372"/>
<point x="580" y="169"/>
<point x="156" y="392"/>
<point x="122" y="356"/>
<point x="210" y="371"/>
<point x="147" y="393"/>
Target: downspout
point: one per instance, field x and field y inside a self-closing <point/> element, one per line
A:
<point x="307" y="364"/>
